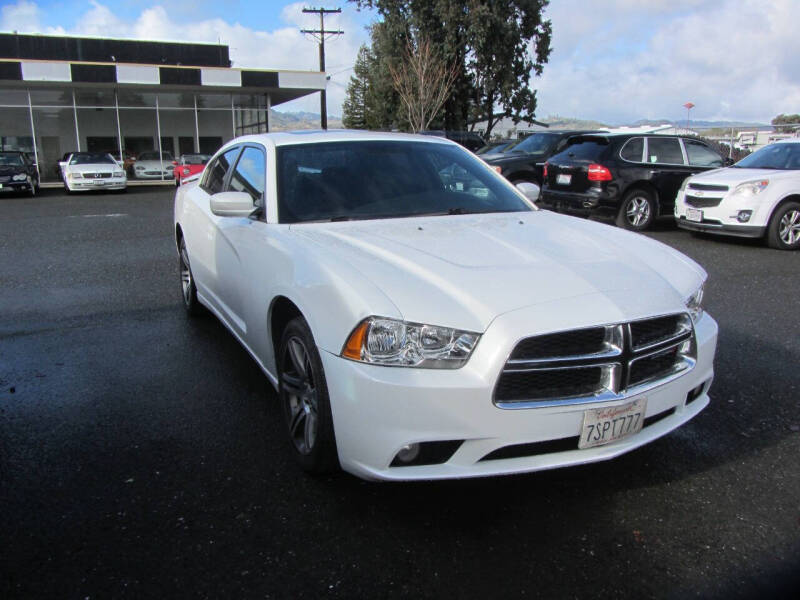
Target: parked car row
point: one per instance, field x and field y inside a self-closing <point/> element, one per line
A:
<point x="632" y="179"/>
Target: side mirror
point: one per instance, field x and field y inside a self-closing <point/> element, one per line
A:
<point x="529" y="190"/>
<point x="727" y="162"/>
<point x="232" y="204"/>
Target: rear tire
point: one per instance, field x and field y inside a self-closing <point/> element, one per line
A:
<point x="303" y="393"/>
<point x="783" y="231"/>
<point x="638" y="211"/>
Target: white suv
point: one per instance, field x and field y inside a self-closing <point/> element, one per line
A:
<point x="757" y="197"/>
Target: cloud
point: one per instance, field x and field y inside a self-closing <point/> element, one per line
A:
<point x="281" y="48"/>
<point x="614" y="61"/>
<point x="621" y="60"/>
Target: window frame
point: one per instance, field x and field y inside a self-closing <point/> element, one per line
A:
<point x="226" y="182"/>
<point x="685" y="162"/>
<point x="704" y="145"/>
<point x="644" y="149"/>
<point x="212" y="162"/>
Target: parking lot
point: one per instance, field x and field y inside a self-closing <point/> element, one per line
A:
<point x="142" y="453"/>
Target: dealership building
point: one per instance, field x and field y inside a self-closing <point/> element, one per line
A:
<point x="126" y="97"/>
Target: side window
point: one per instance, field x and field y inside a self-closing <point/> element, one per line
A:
<point x="215" y="173"/>
<point x="664" y="150"/>
<point x="700" y="155"/>
<point x="633" y="150"/>
<point x="249" y="174"/>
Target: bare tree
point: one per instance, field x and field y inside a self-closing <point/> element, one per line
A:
<point x="423" y="80"/>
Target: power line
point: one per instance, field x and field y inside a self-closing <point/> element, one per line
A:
<point x="322" y="34"/>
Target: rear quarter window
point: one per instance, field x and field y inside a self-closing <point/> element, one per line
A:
<point x="633" y="150"/>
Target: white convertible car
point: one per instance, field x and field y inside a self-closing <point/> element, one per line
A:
<point x="422" y="319"/>
<point x="92" y="171"/>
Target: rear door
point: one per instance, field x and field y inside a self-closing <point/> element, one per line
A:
<point x="667" y="168"/>
<point x="568" y="171"/>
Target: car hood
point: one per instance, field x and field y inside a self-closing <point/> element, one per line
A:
<point x="94" y="168"/>
<point x="12" y="169"/>
<point x="733" y="175"/>
<point x="465" y="270"/>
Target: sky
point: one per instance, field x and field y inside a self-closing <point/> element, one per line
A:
<point x="614" y="61"/>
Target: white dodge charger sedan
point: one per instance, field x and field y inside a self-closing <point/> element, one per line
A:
<point x="422" y="319"/>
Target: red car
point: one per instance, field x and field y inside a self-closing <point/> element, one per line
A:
<point x="188" y="165"/>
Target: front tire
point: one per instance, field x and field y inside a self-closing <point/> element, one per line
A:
<point x="783" y="232"/>
<point x="188" y="288"/>
<point x="303" y="393"/>
<point x="638" y="211"/>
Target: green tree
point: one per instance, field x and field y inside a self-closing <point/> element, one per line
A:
<point x="786" y="120"/>
<point x="497" y="46"/>
<point x="354" y="108"/>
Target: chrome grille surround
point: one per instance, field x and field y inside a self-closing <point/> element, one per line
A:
<point x="635" y="356"/>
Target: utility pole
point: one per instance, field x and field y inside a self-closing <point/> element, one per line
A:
<point x="320" y="34"/>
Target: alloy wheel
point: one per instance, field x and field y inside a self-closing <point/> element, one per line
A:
<point x="186" y="276"/>
<point x="789" y="228"/>
<point x="638" y="211"/>
<point x="301" y="402"/>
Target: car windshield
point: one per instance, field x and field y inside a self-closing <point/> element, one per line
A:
<point x="91" y="158"/>
<point x="386" y="179"/>
<point x="536" y="143"/>
<point x="195" y="159"/>
<point x="154" y="156"/>
<point x="774" y="156"/>
<point x="12" y="159"/>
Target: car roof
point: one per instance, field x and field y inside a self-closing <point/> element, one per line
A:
<point x="307" y="136"/>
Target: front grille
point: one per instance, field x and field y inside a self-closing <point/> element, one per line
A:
<point x="648" y="332"/>
<point x="550" y="383"/>
<point x="653" y="366"/>
<point x="597" y="363"/>
<point x="4" y="178"/>
<point x="97" y="175"/>
<point x="567" y="343"/>
<point x="708" y="187"/>
<point x="702" y="202"/>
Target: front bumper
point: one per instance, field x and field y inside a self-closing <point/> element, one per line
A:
<point x="379" y="410"/>
<point x="722" y="217"/>
<point x="106" y="183"/>
<point x="15" y="186"/>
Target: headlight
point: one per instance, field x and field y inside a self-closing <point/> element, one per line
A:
<point x="400" y="344"/>
<point x="139" y="167"/>
<point x="751" y="188"/>
<point x="75" y="175"/>
<point x="19" y="177"/>
<point x="694" y="304"/>
<point x="118" y="174"/>
<point x="186" y="170"/>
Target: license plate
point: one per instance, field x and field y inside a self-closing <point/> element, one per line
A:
<point x="562" y="179"/>
<point x="692" y="214"/>
<point x="99" y="182"/>
<point x="605" y="425"/>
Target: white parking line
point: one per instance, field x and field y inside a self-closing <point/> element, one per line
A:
<point x="108" y="215"/>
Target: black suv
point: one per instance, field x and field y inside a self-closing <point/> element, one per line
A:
<point x="629" y="178"/>
<point x="18" y="173"/>
<point x="524" y="161"/>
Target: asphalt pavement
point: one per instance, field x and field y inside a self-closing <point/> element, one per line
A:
<point x="142" y="454"/>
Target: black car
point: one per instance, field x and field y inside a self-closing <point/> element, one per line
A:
<point x="524" y="161"/>
<point x="471" y="140"/>
<point x="629" y="178"/>
<point x="17" y="173"/>
<point x="495" y="147"/>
